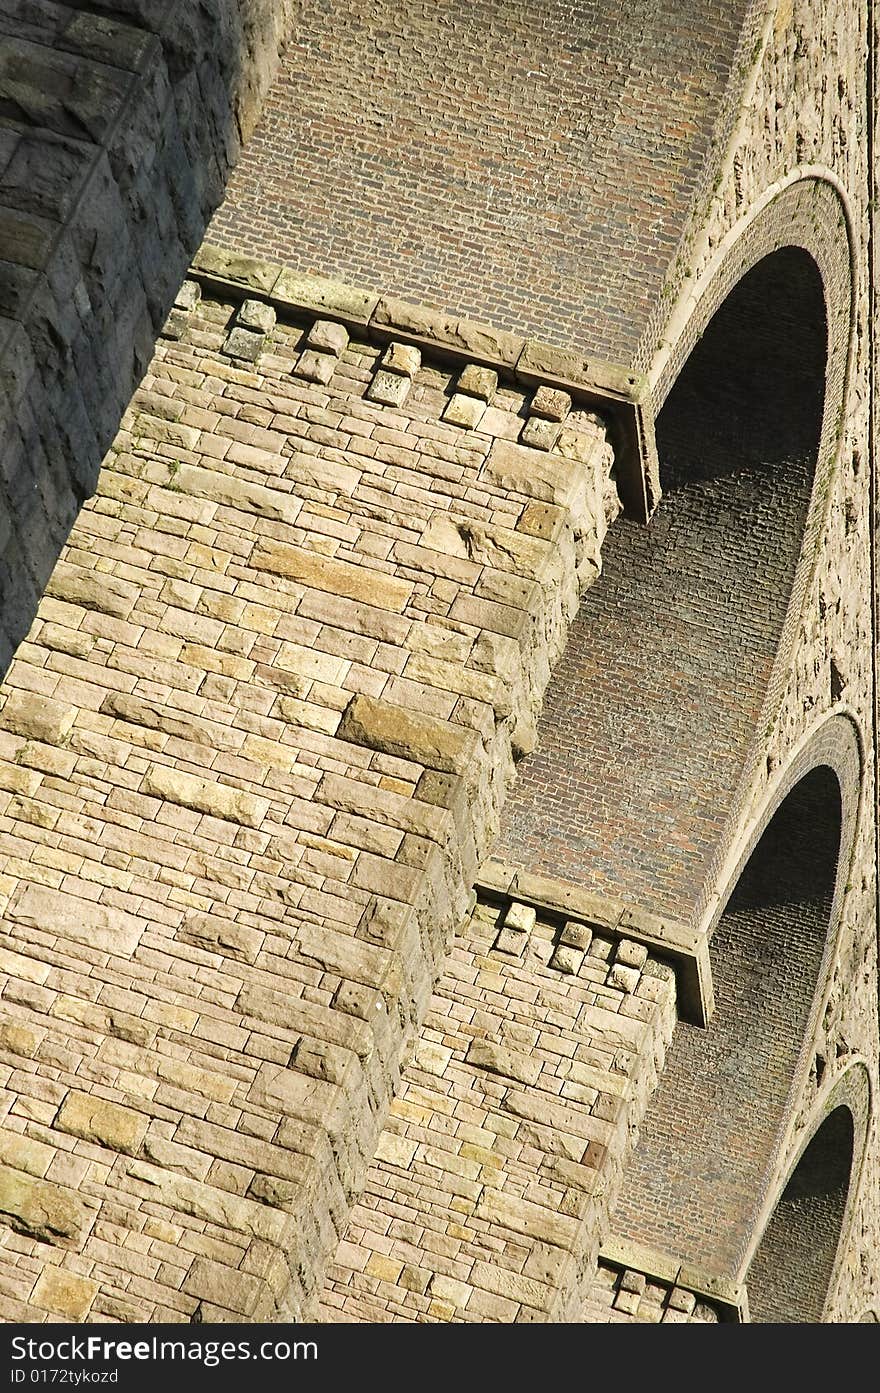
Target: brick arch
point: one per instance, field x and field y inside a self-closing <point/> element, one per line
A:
<point x="793" y="1265"/>
<point x="713" y="1134"/>
<point x="810" y="214"/>
<point x="655" y="719"/>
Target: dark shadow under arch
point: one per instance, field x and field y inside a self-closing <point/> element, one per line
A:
<point x="791" y="1271"/>
<point x="653" y="708"/>
<point x="699" y="1177"/>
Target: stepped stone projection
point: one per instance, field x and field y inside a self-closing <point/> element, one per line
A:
<point x="438" y="825"/>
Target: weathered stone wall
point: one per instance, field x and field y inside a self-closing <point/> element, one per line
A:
<point x="253" y="750"/>
<point x="506" y="1143"/>
<point x="255" y="745"/>
<point x="121" y="120"/>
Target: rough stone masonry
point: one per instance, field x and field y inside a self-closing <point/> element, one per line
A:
<point x="300" y="1013"/>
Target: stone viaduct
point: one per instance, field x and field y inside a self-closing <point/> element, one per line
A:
<point x="438" y="819"/>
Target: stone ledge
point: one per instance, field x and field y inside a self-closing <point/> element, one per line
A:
<point x="593" y="383"/>
<point x="685" y="949"/>
<point x="730" y="1298"/>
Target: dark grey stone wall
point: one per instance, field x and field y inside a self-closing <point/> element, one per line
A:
<point x="119" y="123"/>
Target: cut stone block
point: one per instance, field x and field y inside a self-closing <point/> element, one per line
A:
<point x="256" y="315"/>
<point x="188" y="296"/>
<point x="625" y="979"/>
<point x="402" y="358"/>
<point x="511" y="942"/>
<point x="316" y="367"/>
<point x="567" y="960"/>
<point x="575" y="935"/>
<point x="50" y="1213"/>
<point x="37" y="717"/>
<point x="205" y="796"/>
<point x="389" y="388"/>
<point x="244" y="344"/>
<point x="630" y="954"/>
<point x="550" y="403"/>
<point x="64" y="1293"/>
<point x="521" y="917"/>
<point x="107" y="1124"/>
<point x="498" y="1059"/>
<point x="326" y="336"/>
<point x="464" y="411"/>
<point x="478" y="382"/>
<point x="540" y="434"/>
<point x="394" y="730"/>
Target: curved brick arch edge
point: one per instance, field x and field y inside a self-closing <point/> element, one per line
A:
<point x="850" y="1088"/>
<point x="811" y="212"/>
<point x="836" y="740"/>
<point x="696" y="1115"/>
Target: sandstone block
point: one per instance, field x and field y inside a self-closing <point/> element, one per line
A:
<point x="511" y="942"/>
<point x="18" y="1038"/>
<point x="527" y="1291"/>
<point x="625" y="979"/>
<point x="205" y="796"/>
<point x="260" y="276"/>
<point x="550" y="403"/>
<point x="389" y="388"/>
<point x="107" y="1124"/>
<point x="521" y="917"/>
<point x="218" y="935"/>
<point x="498" y="1059"/>
<point x="228" y="1288"/>
<point x="243" y="344"/>
<point x="539" y="434"/>
<point x="395" y="1151"/>
<point x="575" y="935"/>
<point x="25" y="1154"/>
<point x="212" y="1204"/>
<point x="102" y="927"/>
<point x="188" y="296"/>
<point x="272" y="504"/>
<point x="50" y="1213"/>
<point x="631" y="954"/>
<point x="566" y="959"/>
<point x="580" y="445"/>
<point x="534" y="473"/>
<point x="402" y="358"/>
<point x="64" y="1293"/>
<point x="326" y="336"/>
<point x="523" y="1216"/>
<point x="37" y="717"/>
<point x="350" y="303"/>
<point x="342" y="578"/>
<point x="80" y="587"/>
<point x="315" y="367"/>
<point x="256" y="315"/>
<point x="395" y="730"/>
<point x="475" y="381"/>
<point x="462" y="410"/>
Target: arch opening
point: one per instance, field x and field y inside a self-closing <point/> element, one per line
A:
<point x="653" y="709"/>
<point x="792" y="1268"/>
<point x="711" y="1137"/>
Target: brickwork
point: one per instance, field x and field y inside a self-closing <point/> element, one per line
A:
<point x="790" y="1273"/>
<point x="252" y="750"/>
<point x="654" y="705"/>
<point x="508" y="210"/>
<point x="717" y="1120"/>
<point x="121" y="119"/>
